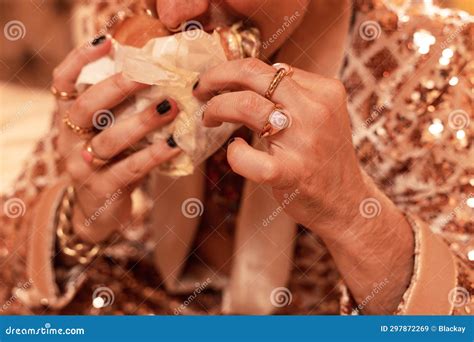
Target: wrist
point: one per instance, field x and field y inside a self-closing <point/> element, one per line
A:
<point x="373" y="244"/>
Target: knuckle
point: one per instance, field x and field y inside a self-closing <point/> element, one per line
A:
<point x="214" y="106"/>
<point x="339" y="90"/>
<point x="251" y="65"/>
<point x="104" y="143"/>
<point x="80" y="105"/>
<point x="133" y="167"/>
<point x="322" y="109"/>
<point x="250" y="103"/>
<point x="57" y="74"/>
<point x="272" y="172"/>
<point x="77" y="173"/>
<point x="145" y="118"/>
<point x="155" y="156"/>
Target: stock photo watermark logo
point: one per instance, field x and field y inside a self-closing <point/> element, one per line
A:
<point x="192" y="208"/>
<point x="14" y="30"/>
<point x="287" y="22"/>
<point x="47" y="329"/>
<point x="370" y="208"/>
<point x="191" y="29"/>
<point x="459" y="297"/>
<point x="102" y="297"/>
<point x="103" y="119"/>
<point x="16" y="294"/>
<point x="109" y="23"/>
<point x="198" y="289"/>
<point x="458" y="119"/>
<point x="378" y="287"/>
<point x="288" y="198"/>
<point x="14" y="208"/>
<point x="188" y="123"/>
<point x="280" y="297"/>
<point x="108" y="202"/>
<point x="17" y="117"/>
<point x="370" y="30"/>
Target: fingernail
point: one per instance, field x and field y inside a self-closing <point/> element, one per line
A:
<point x="99" y="40"/>
<point x="171" y="143"/>
<point x="163" y="107"/>
<point x="195" y="85"/>
<point x="230" y="141"/>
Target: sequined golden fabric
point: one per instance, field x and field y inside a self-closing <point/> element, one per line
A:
<point x="409" y="76"/>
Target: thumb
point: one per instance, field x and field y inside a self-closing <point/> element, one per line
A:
<point x="258" y="166"/>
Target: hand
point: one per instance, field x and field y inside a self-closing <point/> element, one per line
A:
<point x="109" y="186"/>
<point x="313" y="163"/>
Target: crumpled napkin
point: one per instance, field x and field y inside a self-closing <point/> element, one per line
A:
<point x="171" y="65"/>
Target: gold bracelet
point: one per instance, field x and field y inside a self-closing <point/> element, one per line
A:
<point x="68" y="243"/>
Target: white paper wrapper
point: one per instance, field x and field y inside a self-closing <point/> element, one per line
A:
<point x="172" y="65"/>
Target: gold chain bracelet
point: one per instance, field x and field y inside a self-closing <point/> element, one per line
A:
<point x="69" y="244"/>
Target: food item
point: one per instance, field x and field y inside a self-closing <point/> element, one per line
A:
<point x="172" y="64"/>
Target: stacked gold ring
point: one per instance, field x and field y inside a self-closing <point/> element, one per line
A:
<point x="81" y="131"/>
<point x="282" y="71"/>
<point x="63" y="95"/>
<point x="91" y="157"/>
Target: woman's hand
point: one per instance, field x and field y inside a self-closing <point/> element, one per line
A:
<point x="103" y="193"/>
<point x="313" y="169"/>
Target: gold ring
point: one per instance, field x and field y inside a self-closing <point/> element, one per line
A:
<point x="274" y="83"/>
<point x="81" y="131"/>
<point x="63" y="95"/>
<point x="287" y="67"/>
<point x="278" y="120"/>
<point x="89" y="155"/>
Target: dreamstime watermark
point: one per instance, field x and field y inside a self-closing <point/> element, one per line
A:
<point x="192" y="30"/>
<point x="46" y="330"/>
<point x="19" y="287"/>
<point x="14" y="208"/>
<point x="370" y="208"/>
<point x="459" y="296"/>
<point x="17" y="117"/>
<point x="102" y="297"/>
<point x="452" y="214"/>
<point x="458" y="119"/>
<point x="287" y="22"/>
<point x="199" y="288"/>
<point x="189" y="122"/>
<point x="280" y="297"/>
<point x="192" y="207"/>
<point x="370" y="30"/>
<point x="288" y="198"/>
<point x="108" y="202"/>
<point x="452" y="36"/>
<point x="378" y="287"/>
<point x="103" y="119"/>
<point x="14" y="30"/>
<point x="108" y="24"/>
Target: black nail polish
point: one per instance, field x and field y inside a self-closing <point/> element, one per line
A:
<point x="163" y="107"/>
<point x="99" y="40"/>
<point x="170" y="141"/>
<point x="195" y="85"/>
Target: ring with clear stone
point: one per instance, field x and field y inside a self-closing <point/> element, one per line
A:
<point x="278" y="120"/>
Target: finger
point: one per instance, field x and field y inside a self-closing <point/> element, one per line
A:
<point x="244" y="74"/>
<point x="102" y="96"/>
<point x="246" y="107"/>
<point x="129" y="131"/>
<point x="66" y="73"/>
<point x="258" y="166"/>
<point x="319" y="88"/>
<point x="138" y="165"/>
